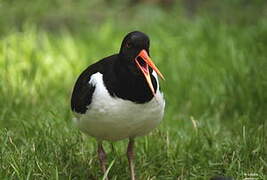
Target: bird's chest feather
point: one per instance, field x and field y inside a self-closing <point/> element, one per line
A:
<point x="113" y="118"/>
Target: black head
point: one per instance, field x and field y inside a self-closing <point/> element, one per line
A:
<point x="133" y="43"/>
<point x="134" y="57"/>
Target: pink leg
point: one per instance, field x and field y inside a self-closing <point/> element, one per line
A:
<point x="102" y="157"/>
<point x="130" y="155"/>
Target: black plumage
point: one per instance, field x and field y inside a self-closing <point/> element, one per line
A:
<point x="121" y="77"/>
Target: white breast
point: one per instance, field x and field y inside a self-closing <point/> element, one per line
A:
<point x="112" y="118"/>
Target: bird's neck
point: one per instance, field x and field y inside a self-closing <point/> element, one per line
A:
<point x="129" y="82"/>
<point x="126" y="70"/>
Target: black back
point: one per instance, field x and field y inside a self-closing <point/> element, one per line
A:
<point x="121" y="77"/>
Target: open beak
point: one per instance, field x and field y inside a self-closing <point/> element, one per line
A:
<point x="143" y="64"/>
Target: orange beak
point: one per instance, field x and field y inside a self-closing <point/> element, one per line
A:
<point x="143" y="66"/>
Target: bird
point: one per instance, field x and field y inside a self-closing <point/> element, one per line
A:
<point x="118" y="97"/>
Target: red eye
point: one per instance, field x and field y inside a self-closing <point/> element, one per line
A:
<point x="128" y="45"/>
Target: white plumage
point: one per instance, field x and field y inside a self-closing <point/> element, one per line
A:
<point x="113" y="118"/>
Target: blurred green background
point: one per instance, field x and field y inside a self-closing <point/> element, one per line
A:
<point x="212" y="54"/>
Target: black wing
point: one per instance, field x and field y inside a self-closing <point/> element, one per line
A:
<point x="83" y="90"/>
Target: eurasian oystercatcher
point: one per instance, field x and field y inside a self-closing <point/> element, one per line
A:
<point x="118" y="97"/>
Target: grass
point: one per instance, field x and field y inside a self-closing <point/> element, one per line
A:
<point x="215" y="88"/>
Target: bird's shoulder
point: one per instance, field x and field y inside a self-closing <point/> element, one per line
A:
<point x="83" y="90"/>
